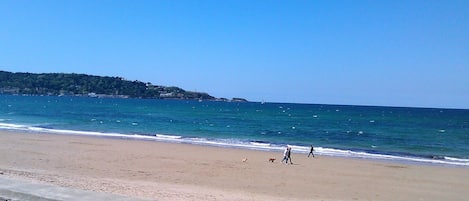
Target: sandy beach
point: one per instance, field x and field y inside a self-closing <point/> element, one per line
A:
<point x="165" y="171"/>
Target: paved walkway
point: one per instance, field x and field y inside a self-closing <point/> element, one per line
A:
<point x="15" y="190"/>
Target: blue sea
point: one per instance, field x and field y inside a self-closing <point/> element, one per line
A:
<point x="420" y="135"/>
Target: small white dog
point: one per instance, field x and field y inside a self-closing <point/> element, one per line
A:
<point x="244" y="160"/>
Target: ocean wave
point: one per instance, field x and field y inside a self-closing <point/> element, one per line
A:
<point x="456" y="159"/>
<point x="168" y="136"/>
<point x="253" y="145"/>
<point x="260" y="143"/>
<point x="11" y="126"/>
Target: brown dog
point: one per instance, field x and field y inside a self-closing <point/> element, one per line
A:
<point x="271" y="160"/>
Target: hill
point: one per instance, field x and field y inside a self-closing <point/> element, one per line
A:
<point x="89" y="85"/>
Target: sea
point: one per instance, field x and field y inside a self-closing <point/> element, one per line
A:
<point x="401" y="134"/>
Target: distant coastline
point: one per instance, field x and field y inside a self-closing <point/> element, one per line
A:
<point x="72" y="84"/>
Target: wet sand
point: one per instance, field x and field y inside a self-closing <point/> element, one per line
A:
<point x="166" y="171"/>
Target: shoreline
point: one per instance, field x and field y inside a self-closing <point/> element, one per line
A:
<point x="445" y="161"/>
<point x="176" y="171"/>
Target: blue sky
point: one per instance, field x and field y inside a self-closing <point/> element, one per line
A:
<point x="389" y="53"/>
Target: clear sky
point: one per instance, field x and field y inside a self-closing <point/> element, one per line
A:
<point x="389" y="53"/>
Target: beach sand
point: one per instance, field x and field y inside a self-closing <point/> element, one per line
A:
<point x="166" y="171"/>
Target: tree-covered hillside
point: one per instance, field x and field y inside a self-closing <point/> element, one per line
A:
<point x="88" y="85"/>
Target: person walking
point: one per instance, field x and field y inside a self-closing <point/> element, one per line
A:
<point x="289" y="155"/>
<point x="285" y="155"/>
<point x="311" y="151"/>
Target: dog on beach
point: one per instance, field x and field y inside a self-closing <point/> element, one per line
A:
<point x="244" y="160"/>
<point x="271" y="160"/>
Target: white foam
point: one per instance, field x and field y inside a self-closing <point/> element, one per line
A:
<point x="300" y="149"/>
<point x="168" y="136"/>
<point x="260" y="144"/>
<point x="11" y="126"/>
<point x="456" y="159"/>
<point x="355" y="154"/>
